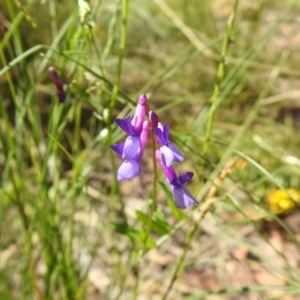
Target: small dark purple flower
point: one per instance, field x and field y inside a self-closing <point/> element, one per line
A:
<point x="182" y="197"/>
<point x="169" y="151"/>
<point x="132" y="149"/>
<point x="61" y="94"/>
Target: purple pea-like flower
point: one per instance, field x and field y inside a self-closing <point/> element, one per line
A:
<point x="182" y="197"/>
<point x="132" y="149"/>
<point x="169" y="151"/>
<point x="61" y="94"/>
<point x="131" y="168"/>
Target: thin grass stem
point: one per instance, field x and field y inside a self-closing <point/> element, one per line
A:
<point x="115" y="91"/>
<point x="220" y="77"/>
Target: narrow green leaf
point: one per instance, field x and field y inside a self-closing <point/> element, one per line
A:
<point x="124" y="229"/>
<point x="157" y="226"/>
<point x="20" y="58"/>
<point x="160" y="218"/>
<point x="148" y="241"/>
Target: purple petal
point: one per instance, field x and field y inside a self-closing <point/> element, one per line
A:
<point x="185" y="177"/>
<point x="129" y="169"/>
<point x="167" y="156"/>
<point x="140" y="113"/>
<point x="182" y="197"/>
<point x="154" y="118"/>
<point x="132" y="148"/>
<point x="169" y="171"/>
<point x="166" y="129"/>
<point x="178" y="156"/>
<point x="61" y="95"/>
<point x="144" y="134"/>
<point x="118" y="148"/>
<point x="143" y="99"/>
<point x="159" y="135"/>
<point x="56" y="80"/>
<point x="125" y="125"/>
<point x="162" y="134"/>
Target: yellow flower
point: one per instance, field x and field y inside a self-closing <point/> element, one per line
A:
<point x="280" y="200"/>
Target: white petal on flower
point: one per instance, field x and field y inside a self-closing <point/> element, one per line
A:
<point x="167" y="156"/>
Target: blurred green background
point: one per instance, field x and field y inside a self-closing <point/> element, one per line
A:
<point x="68" y="230"/>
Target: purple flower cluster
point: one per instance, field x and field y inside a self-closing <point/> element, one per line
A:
<point x="133" y="148"/>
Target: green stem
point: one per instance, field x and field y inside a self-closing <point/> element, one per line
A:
<point x="142" y="251"/>
<point x="153" y="143"/>
<point x="220" y="78"/>
<point x="9" y="80"/>
<point x="122" y="46"/>
<point x="115" y="91"/>
<point x="187" y="242"/>
<point x="207" y="206"/>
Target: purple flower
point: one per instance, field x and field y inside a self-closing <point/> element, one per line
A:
<point x="169" y="151"/>
<point x="132" y="149"/>
<point x="61" y="94"/>
<point x="182" y="197"/>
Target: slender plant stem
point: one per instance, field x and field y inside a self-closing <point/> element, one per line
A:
<point x="154" y="202"/>
<point x="9" y="80"/>
<point x="113" y="101"/>
<point x="180" y="264"/>
<point x="207" y="206"/>
<point x="52" y="12"/>
<point x="220" y="77"/>
<point x="122" y="46"/>
<point x="110" y="39"/>
<point x="142" y="251"/>
<point x="195" y="225"/>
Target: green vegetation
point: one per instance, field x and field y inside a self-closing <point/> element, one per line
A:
<point x="224" y="74"/>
